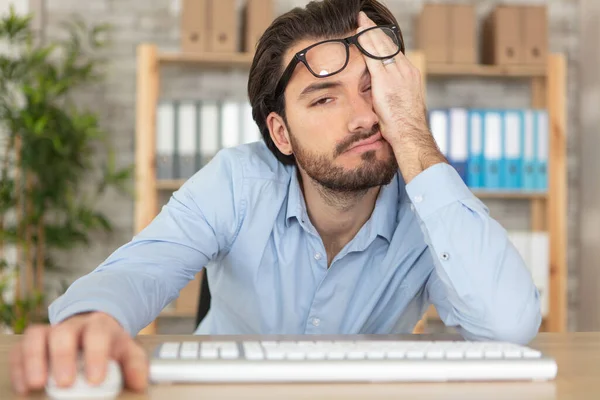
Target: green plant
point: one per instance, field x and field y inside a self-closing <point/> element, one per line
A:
<point x="54" y="153"/>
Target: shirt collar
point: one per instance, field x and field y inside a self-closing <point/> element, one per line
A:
<point x="296" y="207"/>
<point x="383" y="218"/>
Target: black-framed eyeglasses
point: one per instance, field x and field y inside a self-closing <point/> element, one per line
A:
<point x="330" y="57"/>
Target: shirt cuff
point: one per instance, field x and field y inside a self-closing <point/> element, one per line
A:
<point x="435" y="188"/>
<point x="57" y="315"/>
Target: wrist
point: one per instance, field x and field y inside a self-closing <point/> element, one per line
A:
<point x="415" y="153"/>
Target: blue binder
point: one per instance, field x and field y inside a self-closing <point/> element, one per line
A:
<point x="475" y="159"/>
<point x="529" y="151"/>
<point x="438" y="124"/>
<point x="543" y="138"/>
<point x="492" y="153"/>
<point x="459" y="146"/>
<point x="513" y="153"/>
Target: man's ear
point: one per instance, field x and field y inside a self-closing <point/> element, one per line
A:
<point x="279" y="133"/>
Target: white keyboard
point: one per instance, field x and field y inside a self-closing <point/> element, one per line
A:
<point x="347" y="361"/>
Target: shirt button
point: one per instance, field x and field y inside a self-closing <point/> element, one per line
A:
<point x="316" y="321"/>
<point x="418" y="198"/>
<point x="317" y="256"/>
<point x="445" y="256"/>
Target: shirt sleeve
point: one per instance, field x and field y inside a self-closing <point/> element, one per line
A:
<point x="199" y="222"/>
<point x="480" y="284"/>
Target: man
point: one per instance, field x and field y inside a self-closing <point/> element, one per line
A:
<point x="346" y="220"/>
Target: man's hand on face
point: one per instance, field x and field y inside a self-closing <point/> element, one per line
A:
<point x="398" y="100"/>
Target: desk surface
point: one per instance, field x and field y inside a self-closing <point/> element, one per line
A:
<point x="577" y="355"/>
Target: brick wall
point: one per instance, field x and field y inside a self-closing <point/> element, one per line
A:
<point x="157" y="21"/>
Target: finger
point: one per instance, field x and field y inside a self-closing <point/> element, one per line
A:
<point x="35" y="354"/>
<point x="375" y="40"/>
<point x="63" y="347"/>
<point x="96" y="341"/>
<point x="134" y="363"/>
<point x="374" y="66"/>
<point x="17" y="374"/>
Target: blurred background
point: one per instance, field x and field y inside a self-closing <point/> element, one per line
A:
<point x="107" y="106"/>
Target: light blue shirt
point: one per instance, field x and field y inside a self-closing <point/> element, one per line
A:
<point x="243" y="216"/>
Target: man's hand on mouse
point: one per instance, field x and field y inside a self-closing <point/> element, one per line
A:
<point x="398" y="100"/>
<point x="54" y="349"/>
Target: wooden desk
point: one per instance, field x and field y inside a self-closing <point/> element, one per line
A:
<point x="578" y="357"/>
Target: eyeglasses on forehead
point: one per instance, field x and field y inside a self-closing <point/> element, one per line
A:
<point x="322" y="52"/>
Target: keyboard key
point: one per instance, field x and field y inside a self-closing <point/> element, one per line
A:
<point x="274" y="354"/>
<point x="169" y="350"/>
<point x="454" y="354"/>
<point x="315" y="355"/>
<point x="230" y="353"/>
<point x="531" y="353"/>
<point x="513" y="354"/>
<point x="375" y="355"/>
<point x="209" y="352"/>
<point x="189" y="350"/>
<point x="295" y="355"/>
<point x="396" y="354"/>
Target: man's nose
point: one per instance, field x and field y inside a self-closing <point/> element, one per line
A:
<point x="362" y="115"/>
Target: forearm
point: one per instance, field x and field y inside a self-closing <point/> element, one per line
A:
<point x="134" y="299"/>
<point x="416" y="150"/>
<point x="480" y="283"/>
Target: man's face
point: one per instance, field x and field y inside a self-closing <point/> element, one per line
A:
<point x="333" y="130"/>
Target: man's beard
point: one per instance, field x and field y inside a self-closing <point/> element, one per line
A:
<point x="370" y="173"/>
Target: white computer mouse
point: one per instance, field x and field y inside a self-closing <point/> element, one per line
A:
<point x="109" y="389"/>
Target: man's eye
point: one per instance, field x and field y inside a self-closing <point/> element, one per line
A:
<point x="322" y="101"/>
<point x="367" y="88"/>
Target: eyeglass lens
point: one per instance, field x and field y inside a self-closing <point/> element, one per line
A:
<point x="329" y="58"/>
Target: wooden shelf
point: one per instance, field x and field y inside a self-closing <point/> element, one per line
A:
<point x="244" y="60"/>
<point x="482" y="194"/>
<point x="169" y="184"/>
<point x="208" y="59"/>
<point x="479" y="70"/>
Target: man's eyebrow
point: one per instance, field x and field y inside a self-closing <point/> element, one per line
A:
<point x="315" y="87"/>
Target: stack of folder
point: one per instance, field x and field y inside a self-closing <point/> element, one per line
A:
<point x="189" y="133"/>
<point x="495" y="150"/>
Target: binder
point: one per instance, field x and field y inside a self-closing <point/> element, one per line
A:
<point x="543" y="133"/>
<point x="521" y="240"/>
<point x="230" y="124"/>
<point x="194" y="35"/>
<point x="438" y="123"/>
<point x="250" y="130"/>
<point x="534" y="22"/>
<point x="459" y="148"/>
<point x="475" y="158"/>
<point x="257" y="16"/>
<point x="209" y="130"/>
<point x="540" y="264"/>
<point x="492" y="149"/>
<point x="513" y="125"/>
<point x="186" y="140"/>
<point x="529" y="146"/>
<point x="165" y="139"/>
<point x="222" y="26"/>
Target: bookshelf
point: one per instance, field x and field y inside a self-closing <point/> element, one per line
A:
<point x="548" y="209"/>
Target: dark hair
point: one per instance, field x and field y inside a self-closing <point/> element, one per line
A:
<point x="318" y="20"/>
